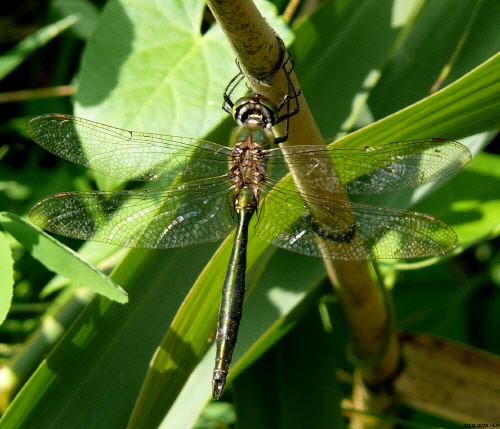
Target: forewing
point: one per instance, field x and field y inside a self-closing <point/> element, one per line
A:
<point x="337" y="229"/>
<point x="192" y="213"/>
<point x="370" y="169"/>
<point x="128" y="155"/>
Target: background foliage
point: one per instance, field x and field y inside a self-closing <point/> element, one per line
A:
<point x="162" y="67"/>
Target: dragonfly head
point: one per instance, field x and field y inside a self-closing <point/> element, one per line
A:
<point x="256" y="110"/>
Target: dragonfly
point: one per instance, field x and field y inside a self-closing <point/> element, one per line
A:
<point x="212" y="190"/>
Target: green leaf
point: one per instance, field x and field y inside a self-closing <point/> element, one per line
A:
<point x="59" y="258"/>
<point x="6" y="276"/>
<point x="149" y="67"/>
<point x="184" y="345"/>
<point x="103" y="359"/>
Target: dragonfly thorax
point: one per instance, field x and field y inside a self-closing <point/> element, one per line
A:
<point x="248" y="168"/>
<point x="255" y="110"/>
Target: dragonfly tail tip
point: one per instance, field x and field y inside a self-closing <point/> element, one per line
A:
<point x="218" y="384"/>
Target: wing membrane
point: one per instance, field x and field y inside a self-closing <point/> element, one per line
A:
<point x="338" y="229"/>
<point x="315" y="222"/>
<point x="192" y="213"/>
<point x="128" y="155"/>
<point x="370" y="169"/>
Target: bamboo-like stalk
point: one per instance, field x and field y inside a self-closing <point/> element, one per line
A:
<point x="375" y="346"/>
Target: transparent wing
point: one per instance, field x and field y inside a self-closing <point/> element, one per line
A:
<point x="337" y="229"/>
<point x="192" y="213"/>
<point x="126" y="154"/>
<point x="370" y="169"/>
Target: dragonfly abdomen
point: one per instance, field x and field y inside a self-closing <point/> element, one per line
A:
<point x="233" y="293"/>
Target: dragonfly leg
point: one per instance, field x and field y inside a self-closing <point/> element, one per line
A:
<point x="227" y="104"/>
<point x="292" y="93"/>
